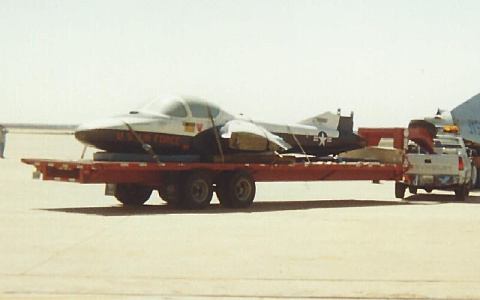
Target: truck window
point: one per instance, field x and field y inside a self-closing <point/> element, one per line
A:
<point x="447" y="145"/>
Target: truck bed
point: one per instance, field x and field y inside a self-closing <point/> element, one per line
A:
<point x="433" y="164"/>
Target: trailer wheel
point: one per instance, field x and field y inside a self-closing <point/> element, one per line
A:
<point x="400" y="190"/>
<point x="170" y="194"/>
<point x="429" y="190"/>
<point x="197" y="190"/>
<point x="169" y="190"/>
<point x="130" y="194"/>
<point x="236" y="190"/>
<point x="413" y="190"/>
<point x="461" y="193"/>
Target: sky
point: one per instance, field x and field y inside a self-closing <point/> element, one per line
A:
<point x="275" y="60"/>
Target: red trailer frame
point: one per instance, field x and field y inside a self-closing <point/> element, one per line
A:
<point x="152" y="173"/>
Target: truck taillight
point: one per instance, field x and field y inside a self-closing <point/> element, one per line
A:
<point x="461" y="165"/>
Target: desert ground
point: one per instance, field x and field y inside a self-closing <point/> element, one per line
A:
<point x="323" y="240"/>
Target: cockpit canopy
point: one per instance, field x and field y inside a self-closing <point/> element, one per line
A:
<point x="181" y="107"/>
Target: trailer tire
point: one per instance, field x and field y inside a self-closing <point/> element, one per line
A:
<point x="413" y="190"/>
<point x="170" y="194"/>
<point x="400" y="190"/>
<point x="131" y="194"/>
<point x="461" y="193"/>
<point x="236" y="190"/>
<point x="169" y="190"/>
<point x="196" y="190"/>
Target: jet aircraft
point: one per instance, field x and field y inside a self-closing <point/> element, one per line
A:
<point x="189" y="125"/>
<point x="467" y="117"/>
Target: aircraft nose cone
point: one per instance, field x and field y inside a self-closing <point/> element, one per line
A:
<point x="86" y="136"/>
<point x="98" y="132"/>
<point x="82" y="136"/>
<point x="112" y="134"/>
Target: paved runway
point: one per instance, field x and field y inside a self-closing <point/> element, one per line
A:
<point x="340" y="240"/>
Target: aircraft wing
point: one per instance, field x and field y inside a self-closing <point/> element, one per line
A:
<point x="244" y="135"/>
<point x="467" y="117"/>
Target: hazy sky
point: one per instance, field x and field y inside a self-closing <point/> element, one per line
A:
<point x="388" y="61"/>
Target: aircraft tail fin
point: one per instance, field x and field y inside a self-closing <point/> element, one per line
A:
<point x="331" y="120"/>
<point x="466" y="117"/>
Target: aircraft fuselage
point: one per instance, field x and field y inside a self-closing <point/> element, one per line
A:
<point x="186" y="131"/>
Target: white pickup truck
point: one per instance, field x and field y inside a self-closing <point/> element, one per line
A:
<point x="449" y="168"/>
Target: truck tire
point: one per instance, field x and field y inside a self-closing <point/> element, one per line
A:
<point x="130" y="194"/>
<point x="236" y="190"/>
<point x="400" y="190"/>
<point x="461" y="193"/>
<point x="196" y="190"/>
<point x="474" y="178"/>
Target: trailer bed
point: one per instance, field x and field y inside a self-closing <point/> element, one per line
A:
<point x="87" y="171"/>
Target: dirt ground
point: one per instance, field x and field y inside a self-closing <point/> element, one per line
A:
<point x="341" y="240"/>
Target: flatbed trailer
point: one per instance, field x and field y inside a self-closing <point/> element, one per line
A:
<point x="87" y="171"/>
<point x="191" y="184"/>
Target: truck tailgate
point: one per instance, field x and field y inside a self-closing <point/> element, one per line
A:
<point x="426" y="164"/>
